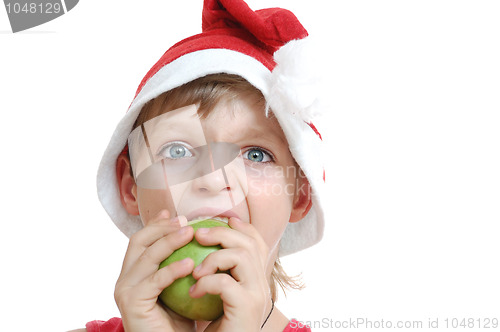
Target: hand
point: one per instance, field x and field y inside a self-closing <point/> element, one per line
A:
<point x="245" y="292"/>
<point x="140" y="281"/>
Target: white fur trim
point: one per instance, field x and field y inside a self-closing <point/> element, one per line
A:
<point x="297" y="79"/>
<point x="296" y="97"/>
<point x="305" y="146"/>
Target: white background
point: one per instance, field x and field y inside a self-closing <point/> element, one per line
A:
<point x="412" y="153"/>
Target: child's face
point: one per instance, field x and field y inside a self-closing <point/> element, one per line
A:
<point x="234" y="163"/>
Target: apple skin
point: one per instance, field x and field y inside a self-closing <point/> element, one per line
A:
<point x="176" y="296"/>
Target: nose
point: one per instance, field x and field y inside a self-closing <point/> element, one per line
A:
<point x="214" y="179"/>
<point x="212" y="183"/>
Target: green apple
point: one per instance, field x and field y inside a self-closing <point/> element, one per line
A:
<point x="176" y="296"/>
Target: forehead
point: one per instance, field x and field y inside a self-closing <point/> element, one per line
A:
<point x="242" y="118"/>
<point x="228" y="120"/>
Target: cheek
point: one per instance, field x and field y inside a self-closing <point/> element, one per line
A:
<point x="152" y="201"/>
<point x="274" y="184"/>
<point x="270" y="201"/>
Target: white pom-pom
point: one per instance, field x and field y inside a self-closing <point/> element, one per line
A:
<point x="296" y="80"/>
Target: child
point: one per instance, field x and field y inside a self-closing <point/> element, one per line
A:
<point x="220" y="126"/>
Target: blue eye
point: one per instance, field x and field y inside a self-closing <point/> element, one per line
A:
<point x="175" y="151"/>
<point x="257" y="155"/>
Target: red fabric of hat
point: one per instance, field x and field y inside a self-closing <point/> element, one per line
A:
<point x="231" y="24"/>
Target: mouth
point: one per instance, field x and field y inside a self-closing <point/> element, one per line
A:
<point x="223" y="219"/>
<point x="210" y="213"/>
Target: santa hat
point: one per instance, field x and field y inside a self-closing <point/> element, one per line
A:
<point x="269" y="48"/>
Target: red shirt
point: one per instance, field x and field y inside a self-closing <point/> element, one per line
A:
<point x="115" y="325"/>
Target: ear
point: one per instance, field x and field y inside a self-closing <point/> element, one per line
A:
<point x="126" y="185"/>
<point x="302" y="202"/>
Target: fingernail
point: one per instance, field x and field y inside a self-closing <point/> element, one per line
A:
<point x="185" y="261"/>
<point x="203" y="230"/>
<point x="192" y="288"/>
<point x="197" y="269"/>
<point x="182" y="220"/>
<point x="182" y="231"/>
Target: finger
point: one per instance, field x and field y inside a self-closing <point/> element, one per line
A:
<point x="221" y="284"/>
<point x="141" y="240"/>
<point x="248" y="229"/>
<point x="150" y="288"/>
<point x="148" y="262"/>
<point x="238" y="261"/>
<point x="236" y="298"/>
<point x="240" y="235"/>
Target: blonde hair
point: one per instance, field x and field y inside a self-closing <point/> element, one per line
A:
<point x="207" y="92"/>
